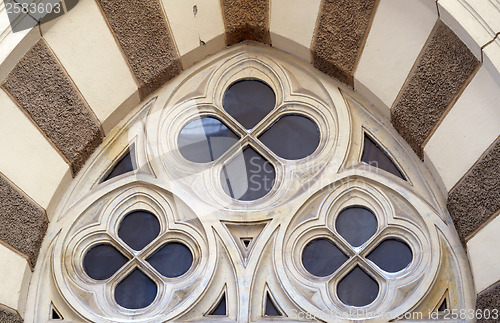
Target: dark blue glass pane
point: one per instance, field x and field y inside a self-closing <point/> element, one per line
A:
<point x="103" y="261"/>
<point x="249" y="101"/>
<point x="391" y="255"/>
<point x="172" y="260"/>
<point x="205" y="139"/>
<point x="321" y="257"/>
<point x="138" y="229"/>
<point x="292" y="137"/>
<point x="221" y="308"/>
<point x="135" y="291"/>
<point x="443" y="307"/>
<point x="125" y="165"/>
<point x="271" y="309"/>
<point x="356" y="225"/>
<point x="357" y="288"/>
<point x="54" y="315"/>
<point x="374" y="155"/>
<point x="248" y="176"/>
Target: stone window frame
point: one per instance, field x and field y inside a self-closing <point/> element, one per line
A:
<point x="162" y="172"/>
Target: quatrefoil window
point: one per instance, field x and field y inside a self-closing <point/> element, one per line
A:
<point x="322" y="257"/>
<point x="251" y="188"/>
<point x="137" y="230"/>
<point x="291" y="136"/>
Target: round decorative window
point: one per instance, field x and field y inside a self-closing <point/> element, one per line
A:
<point x="258" y="136"/>
<point x="251" y="188"/>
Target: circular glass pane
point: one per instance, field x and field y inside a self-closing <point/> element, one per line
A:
<point x="356" y="225"/>
<point x="248" y="176"/>
<point x="172" y="260"/>
<point x="357" y="288"/>
<point x="321" y="257"/>
<point x="138" y="229"/>
<point x="205" y="139"/>
<point x="292" y="137"/>
<point x="103" y="261"/>
<point x="391" y="255"/>
<point x="135" y="291"/>
<point x="249" y="101"/>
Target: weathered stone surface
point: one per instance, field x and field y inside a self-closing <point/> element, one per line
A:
<point x="441" y="72"/>
<point x="144" y="35"/>
<point x="489" y="300"/>
<point x="476" y="197"/>
<point x="7" y="316"/>
<point x="47" y="94"/>
<point x="340" y="33"/>
<point x="23" y="222"/>
<point x="246" y="20"/>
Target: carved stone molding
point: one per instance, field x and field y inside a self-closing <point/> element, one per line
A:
<point x="247" y="255"/>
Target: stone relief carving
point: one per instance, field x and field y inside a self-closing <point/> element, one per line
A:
<point x="248" y="255"/>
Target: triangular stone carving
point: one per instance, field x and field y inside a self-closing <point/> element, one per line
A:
<point x="443" y="306"/>
<point x="443" y="303"/>
<point x="246" y="242"/>
<point x="271" y="308"/>
<point x="54" y="313"/>
<point x="375" y="155"/>
<point x="221" y="308"/>
<point x="125" y="164"/>
<point x="245" y="235"/>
